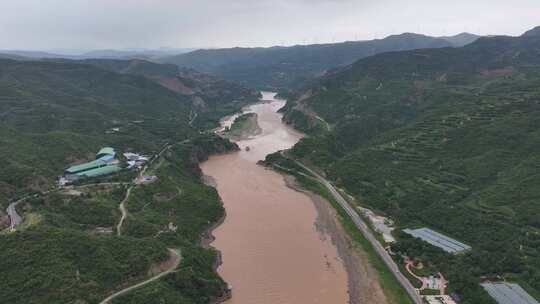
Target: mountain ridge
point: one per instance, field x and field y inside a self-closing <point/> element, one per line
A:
<point x="282" y="67"/>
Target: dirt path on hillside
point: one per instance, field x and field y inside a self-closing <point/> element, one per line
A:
<point x="166" y="268"/>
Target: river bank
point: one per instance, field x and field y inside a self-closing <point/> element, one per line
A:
<point x="363" y="281"/>
<point x="244" y="127"/>
<point x="280" y="243"/>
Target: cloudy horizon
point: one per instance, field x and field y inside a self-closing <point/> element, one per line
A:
<point x="102" y="24"/>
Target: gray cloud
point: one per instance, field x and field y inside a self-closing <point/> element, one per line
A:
<point x="91" y="24"/>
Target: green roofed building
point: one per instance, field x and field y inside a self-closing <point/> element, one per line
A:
<point x="104" y="164"/>
<point x="105" y="151"/>
<point x="100" y="171"/>
<point x="86" y="166"/>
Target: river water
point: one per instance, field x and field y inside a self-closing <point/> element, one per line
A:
<point x="272" y="251"/>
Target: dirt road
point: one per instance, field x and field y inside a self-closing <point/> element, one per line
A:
<point x="123" y="210"/>
<point x="175" y="261"/>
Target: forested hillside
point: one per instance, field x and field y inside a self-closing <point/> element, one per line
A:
<point x="279" y="67"/>
<point x="57" y="113"/>
<point x="64" y="110"/>
<point x="53" y="114"/>
<point x="446" y="138"/>
<point x="211" y="96"/>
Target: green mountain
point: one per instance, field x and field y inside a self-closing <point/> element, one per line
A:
<point x="211" y="97"/>
<point x="447" y="138"/>
<point x="51" y="113"/>
<point x="279" y="67"/>
<point x="57" y="113"/>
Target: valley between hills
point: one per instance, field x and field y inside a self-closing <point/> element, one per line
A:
<point x="396" y="170"/>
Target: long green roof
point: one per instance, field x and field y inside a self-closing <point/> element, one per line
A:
<point x="100" y="171"/>
<point x="86" y="166"/>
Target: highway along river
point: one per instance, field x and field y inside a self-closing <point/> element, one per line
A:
<point x="274" y="247"/>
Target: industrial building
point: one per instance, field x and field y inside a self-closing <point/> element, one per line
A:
<point x="439" y="240"/>
<point x="104" y="164"/>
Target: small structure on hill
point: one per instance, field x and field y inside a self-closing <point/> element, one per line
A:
<point x="107" y="151"/>
<point x="135" y="160"/>
<point x="145" y="179"/>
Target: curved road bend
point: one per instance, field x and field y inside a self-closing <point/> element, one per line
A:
<point x="368" y="235"/>
<point x="15" y="218"/>
<point x="175" y="254"/>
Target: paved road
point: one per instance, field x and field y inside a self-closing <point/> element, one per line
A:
<point x="175" y="254"/>
<point x="368" y="235"/>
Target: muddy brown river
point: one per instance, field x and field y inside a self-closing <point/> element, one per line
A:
<point x="272" y="250"/>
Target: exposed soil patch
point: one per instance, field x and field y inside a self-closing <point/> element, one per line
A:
<point x="165" y="196"/>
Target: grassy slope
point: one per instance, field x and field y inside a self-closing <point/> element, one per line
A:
<point x="446" y="138"/>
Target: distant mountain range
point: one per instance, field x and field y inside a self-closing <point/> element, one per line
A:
<point x="274" y="67"/>
<point x="148" y="54"/>
<point x="278" y="67"/>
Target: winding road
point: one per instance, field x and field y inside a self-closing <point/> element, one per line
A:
<point x="413" y="294"/>
<point x="175" y="255"/>
<point x="123" y="210"/>
<point x="122" y="205"/>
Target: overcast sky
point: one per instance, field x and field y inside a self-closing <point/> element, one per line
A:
<point x="97" y="24"/>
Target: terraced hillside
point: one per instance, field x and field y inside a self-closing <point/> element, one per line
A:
<point x="445" y="138"/>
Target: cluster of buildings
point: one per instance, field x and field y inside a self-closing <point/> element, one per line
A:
<point x="135" y="160"/>
<point x="502" y="292"/>
<point x="104" y="164"/>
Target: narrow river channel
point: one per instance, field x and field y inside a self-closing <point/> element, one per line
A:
<point x="273" y="251"/>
